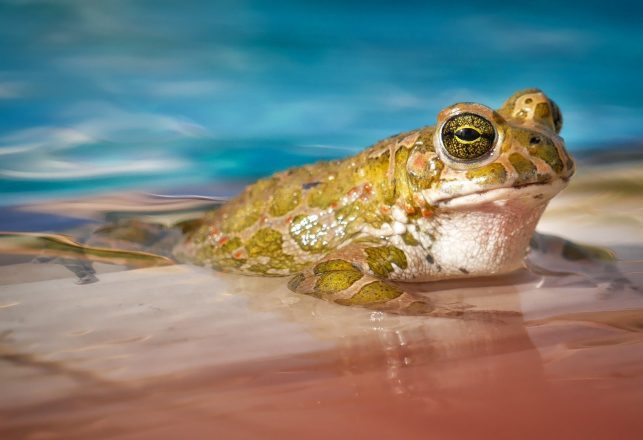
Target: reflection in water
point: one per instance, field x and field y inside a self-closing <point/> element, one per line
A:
<point x="329" y="367"/>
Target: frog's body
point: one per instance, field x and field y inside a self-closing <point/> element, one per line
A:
<point x="458" y="200"/>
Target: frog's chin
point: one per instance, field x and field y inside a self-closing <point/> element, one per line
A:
<point x="530" y="194"/>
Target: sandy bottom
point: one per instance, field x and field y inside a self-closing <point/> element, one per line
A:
<point x="182" y="351"/>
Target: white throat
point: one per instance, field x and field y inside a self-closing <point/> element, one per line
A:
<point x="488" y="233"/>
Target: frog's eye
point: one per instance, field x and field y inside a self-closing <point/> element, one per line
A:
<point x="467" y="139"/>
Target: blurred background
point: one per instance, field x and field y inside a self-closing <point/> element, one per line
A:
<point x="98" y="96"/>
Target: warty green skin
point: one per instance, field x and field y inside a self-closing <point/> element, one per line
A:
<point x="398" y="210"/>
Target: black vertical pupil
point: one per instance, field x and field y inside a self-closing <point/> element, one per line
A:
<point x="467" y="134"/>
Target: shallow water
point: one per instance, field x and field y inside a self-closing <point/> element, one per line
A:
<point x="178" y="350"/>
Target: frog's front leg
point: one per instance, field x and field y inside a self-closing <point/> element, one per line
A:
<point x="356" y="275"/>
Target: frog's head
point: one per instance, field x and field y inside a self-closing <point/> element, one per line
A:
<point x="493" y="174"/>
<point x="487" y="155"/>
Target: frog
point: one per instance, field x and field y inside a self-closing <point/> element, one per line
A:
<point x="457" y="199"/>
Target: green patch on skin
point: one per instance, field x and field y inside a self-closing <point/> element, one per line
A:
<point x="244" y="211"/>
<point x="357" y="186"/>
<point x="284" y="200"/>
<point x="359" y="212"/>
<point x="322" y="196"/>
<point x="381" y="259"/>
<point x="218" y="256"/>
<point x="492" y="174"/>
<point x="335" y="275"/>
<point x="242" y="218"/>
<point x="409" y="240"/>
<point x="372" y="293"/>
<point x="267" y="242"/>
<point x="546" y="151"/>
<point x="259" y="268"/>
<point x="230" y="262"/>
<point x="541" y="112"/>
<point x="333" y="265"/>
<point x="539" y="146"/>
<point x="375" y="171"/>
<point x="338" y="178"/>
<point x="336" y="281"/>
<point x="309" y="233"/>
<point x="263" y="269"/>
<point x="402" y="188"/>
<point x="525" y="169"/>
<point x="231" y="245"/>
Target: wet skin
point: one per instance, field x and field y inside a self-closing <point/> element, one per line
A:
<point x="458" y="199"/>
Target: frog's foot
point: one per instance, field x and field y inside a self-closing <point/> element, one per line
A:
<point x="551" y="256"/>
<point x="333" y="281"/>
<point x="84" y="270"/>
<point x="344" y="277"/>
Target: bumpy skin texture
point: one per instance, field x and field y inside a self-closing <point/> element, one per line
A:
<point x="401" y="210"/>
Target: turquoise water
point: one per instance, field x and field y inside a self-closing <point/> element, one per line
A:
<point x="99" y="96"/>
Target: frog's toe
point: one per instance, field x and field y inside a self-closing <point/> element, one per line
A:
<point x="329" y="279"/>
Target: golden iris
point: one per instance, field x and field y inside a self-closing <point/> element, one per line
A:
<point x="468" y="136"/>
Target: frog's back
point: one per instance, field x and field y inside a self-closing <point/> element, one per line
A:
<point x="287" y="221"/>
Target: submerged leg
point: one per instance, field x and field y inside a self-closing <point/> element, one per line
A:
<point x="554" y="256"/>
<point x="83" y="269"/>
<point x="61" y="246"/>
<point x="356" y="276"/>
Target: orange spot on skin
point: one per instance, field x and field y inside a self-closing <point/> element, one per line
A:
<point x="418" y="203"/>
<point x="426" y="213"/>
<point x="223" y="240"/>
<point x="385" y="209"/>
<point x="288" y="219"/>
<point x="333" y="205"/>
<point x="409" y="209"/>
<point x="240" y="254"/>
<point x="420" y="162"/>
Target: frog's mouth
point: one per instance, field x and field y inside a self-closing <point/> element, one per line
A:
<point x="531" y="193"/>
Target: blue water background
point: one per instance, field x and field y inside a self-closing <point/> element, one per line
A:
<point x="120" y="94"/>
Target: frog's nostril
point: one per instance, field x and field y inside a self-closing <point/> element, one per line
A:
<point x="534" y="140"/>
